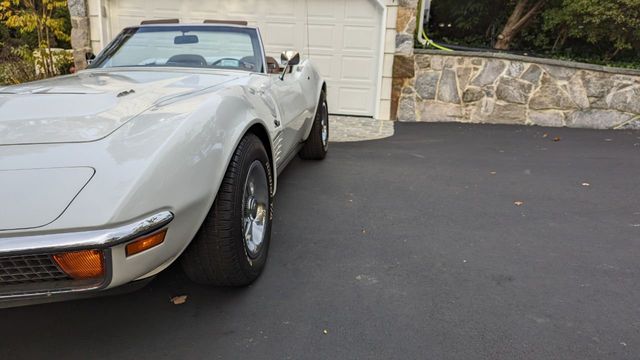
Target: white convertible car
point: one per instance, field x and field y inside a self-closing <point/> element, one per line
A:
<point x="168" y="147"/>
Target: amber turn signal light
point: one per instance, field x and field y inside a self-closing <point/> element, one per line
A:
<point x="86" y="264"/>
<point x="146" y="243"/>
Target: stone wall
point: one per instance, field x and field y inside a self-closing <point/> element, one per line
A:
<point x="406" y="22"/>
<point x="434" y="86"/>
<point x="80" y="32"/>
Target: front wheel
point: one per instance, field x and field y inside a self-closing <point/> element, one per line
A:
<point x="231" y="247"/>
<point x="317" y="144"/>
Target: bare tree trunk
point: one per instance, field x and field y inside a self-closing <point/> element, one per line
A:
<point x="520" y="18"/>
<point x="51" y="60"/>
<point x="47" y="43"/>
<point x="610" y="55"/>
<point x="560" y="40"/>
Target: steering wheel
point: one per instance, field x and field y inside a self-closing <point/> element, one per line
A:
<point x="243" y="64"/>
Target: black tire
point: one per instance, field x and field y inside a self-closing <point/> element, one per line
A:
<point x="219" y="255"/>
<point x="316" y="147"/>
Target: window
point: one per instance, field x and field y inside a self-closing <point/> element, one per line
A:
<point x="184" y="46"/>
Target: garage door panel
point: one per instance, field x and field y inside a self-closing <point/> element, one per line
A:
<point x="168" y="6"/>
<point x="359" y="38"/>
<point x="354" y="100"/>
<point x="322" y="37"/>
<point x="208" y="7"/>
<point x="158" y="15"/>
<point x="281" y="8"/>
<point x="136" y="6"/>
<point x="361" y="11"/>
<point x="343" y="36"/>
<point x="126" y="21"/>
<point x="281" y="34"/>
<point x="357" y="69"/>
<point x="323" y="11"/>
<point x="332" y="97"/>
<point x="325" y="66"/>
<point x="237" y="8"/>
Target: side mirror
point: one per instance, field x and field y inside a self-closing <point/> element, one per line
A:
<point x="288" y="59"/>
<point x="89" y="57"/>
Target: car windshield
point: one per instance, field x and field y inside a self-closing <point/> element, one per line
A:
<point x="215" y="47"/>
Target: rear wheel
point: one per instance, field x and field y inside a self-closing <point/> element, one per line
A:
<point x="231" y="247"/>
<point x="317" y="144"/>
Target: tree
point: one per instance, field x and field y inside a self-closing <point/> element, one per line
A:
<point x="466" y="22"/>
<point x="612" y="25"/>
<point x="521" y="16"/>
<point x="29" y="16"/>
<point x="594" y="31"/>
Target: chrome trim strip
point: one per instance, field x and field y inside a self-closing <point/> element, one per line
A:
<point x="94" y="239"/>
<point x="264" y="54"/>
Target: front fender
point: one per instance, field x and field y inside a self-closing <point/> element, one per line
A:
<point x="312" y="85"/>
<point x="171" y="157"/>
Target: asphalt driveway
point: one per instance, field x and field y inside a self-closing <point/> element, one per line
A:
<point x="411" y="247"/>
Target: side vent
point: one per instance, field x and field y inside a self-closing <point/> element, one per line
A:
<point x="277" y="148"/>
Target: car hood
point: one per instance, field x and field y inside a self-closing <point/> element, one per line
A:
<point x="91" y="105"/>
<point x="22" y="193"/>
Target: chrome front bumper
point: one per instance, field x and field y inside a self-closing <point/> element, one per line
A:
<point x="26" y="247"/>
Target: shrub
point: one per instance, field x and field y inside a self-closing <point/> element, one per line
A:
<point x="17" y="71"/>
<point x="595" y="31"/>
<point x="33" y="25"/>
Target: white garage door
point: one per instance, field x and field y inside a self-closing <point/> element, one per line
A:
<point x="343" y="38"/>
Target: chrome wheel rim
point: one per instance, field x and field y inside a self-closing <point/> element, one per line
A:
<point x="255" y="205"/>
<point x="324" y="125"/>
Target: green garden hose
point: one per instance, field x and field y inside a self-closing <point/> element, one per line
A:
<point x="432" y="43"/>
<point x="421" y="25"/>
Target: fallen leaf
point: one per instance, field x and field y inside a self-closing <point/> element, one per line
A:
<point x="179" y="300"/>
<point x="325" y="331"/>
<point x="545" y="135"/>
<point x="518" y="203"/>
<point x="557" y="138"/>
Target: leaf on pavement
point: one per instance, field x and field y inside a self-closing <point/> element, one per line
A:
<point x="557" y="138"/>
<point x="179" y="300"/>
<point x="518" y="203"/>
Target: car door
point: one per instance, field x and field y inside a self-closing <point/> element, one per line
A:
<point x="287" y="93"/>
